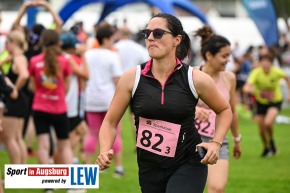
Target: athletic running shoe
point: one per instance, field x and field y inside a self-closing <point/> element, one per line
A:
<point x="118" y="174"/>
<point x="273" y="147"/>
<point x="266" y="153"/>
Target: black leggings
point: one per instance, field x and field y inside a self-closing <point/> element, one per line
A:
<point x="190" y="177"/>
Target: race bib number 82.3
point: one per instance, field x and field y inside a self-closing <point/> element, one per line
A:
<point x="159" y="137"/>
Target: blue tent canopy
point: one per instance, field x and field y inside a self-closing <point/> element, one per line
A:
<point x="191" y="8"/>
<point x="110" y="7"/>
<point x="263" y="15"/>
<point x="166" y="6"/>
<point x="72" y="6"/>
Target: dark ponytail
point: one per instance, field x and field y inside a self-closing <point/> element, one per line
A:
<point x="175" y="26"/>
<point x="184" y="47"/>
<point x="210" y="42"/>
<point x="51" y="49"/>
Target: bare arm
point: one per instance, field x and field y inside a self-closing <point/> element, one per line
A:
<point x="22" y="11"/>
<point x="32" y="84"/>
<point x="81" y="71"/>
<point x="248" y="88"/>
<point x="231" y="79"/>
<point x="116" y="110"/>
<point x="66" y="83"/>
<point x="56" y="18"/>
<point x="81" y="49"/>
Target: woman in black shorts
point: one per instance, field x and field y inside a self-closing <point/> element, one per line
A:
<point x="16" y="109"/>
<point x="50" y="76"/>
<point x="8" y="90"/>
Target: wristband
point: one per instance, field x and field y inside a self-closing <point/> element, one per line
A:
<point x="210" y="141"/>
<point x="237" y="139"/>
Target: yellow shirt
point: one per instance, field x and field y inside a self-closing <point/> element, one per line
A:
<point x="267" y="87"/>
<point x="5" y="67"/>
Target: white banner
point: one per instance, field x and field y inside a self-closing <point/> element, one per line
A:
<point x="51" y="176"/>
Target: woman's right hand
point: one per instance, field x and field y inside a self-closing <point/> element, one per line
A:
<point x="104" y="159"/>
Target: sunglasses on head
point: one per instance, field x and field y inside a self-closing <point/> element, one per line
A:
<point x="157" y="33"/>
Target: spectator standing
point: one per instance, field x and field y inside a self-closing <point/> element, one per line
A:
<point x="9" y="90"/>
<point x="34" y="48"/>
<point x="80" y="72"/>
<point x="105" y="71"/>
<point x="16" y="109"/>
<point x="50" y="75"/>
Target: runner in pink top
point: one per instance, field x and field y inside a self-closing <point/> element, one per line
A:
<point x="49" y="95"/>
<point x="50" y="75"/>
<point x="207" y="128"/>
<point x="216" y="51"/>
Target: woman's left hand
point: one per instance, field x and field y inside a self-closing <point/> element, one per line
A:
<point x="212" y="154"/>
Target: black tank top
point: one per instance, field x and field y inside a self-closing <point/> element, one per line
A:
<point x="16" y="107"/>
<point x="11" y="75"/>
<point x="176" y="105"/>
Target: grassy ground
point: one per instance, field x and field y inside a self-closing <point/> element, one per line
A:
<point x="250" y="174"/>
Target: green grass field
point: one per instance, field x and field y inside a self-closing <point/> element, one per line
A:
<point x="249" y="174"/>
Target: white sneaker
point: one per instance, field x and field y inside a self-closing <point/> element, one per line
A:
<point x="118" y="174"/>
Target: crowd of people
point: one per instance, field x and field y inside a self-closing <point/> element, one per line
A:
<point x="69" y="91"/>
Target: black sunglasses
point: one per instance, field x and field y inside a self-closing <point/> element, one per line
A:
<point x="157" y="33"/>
